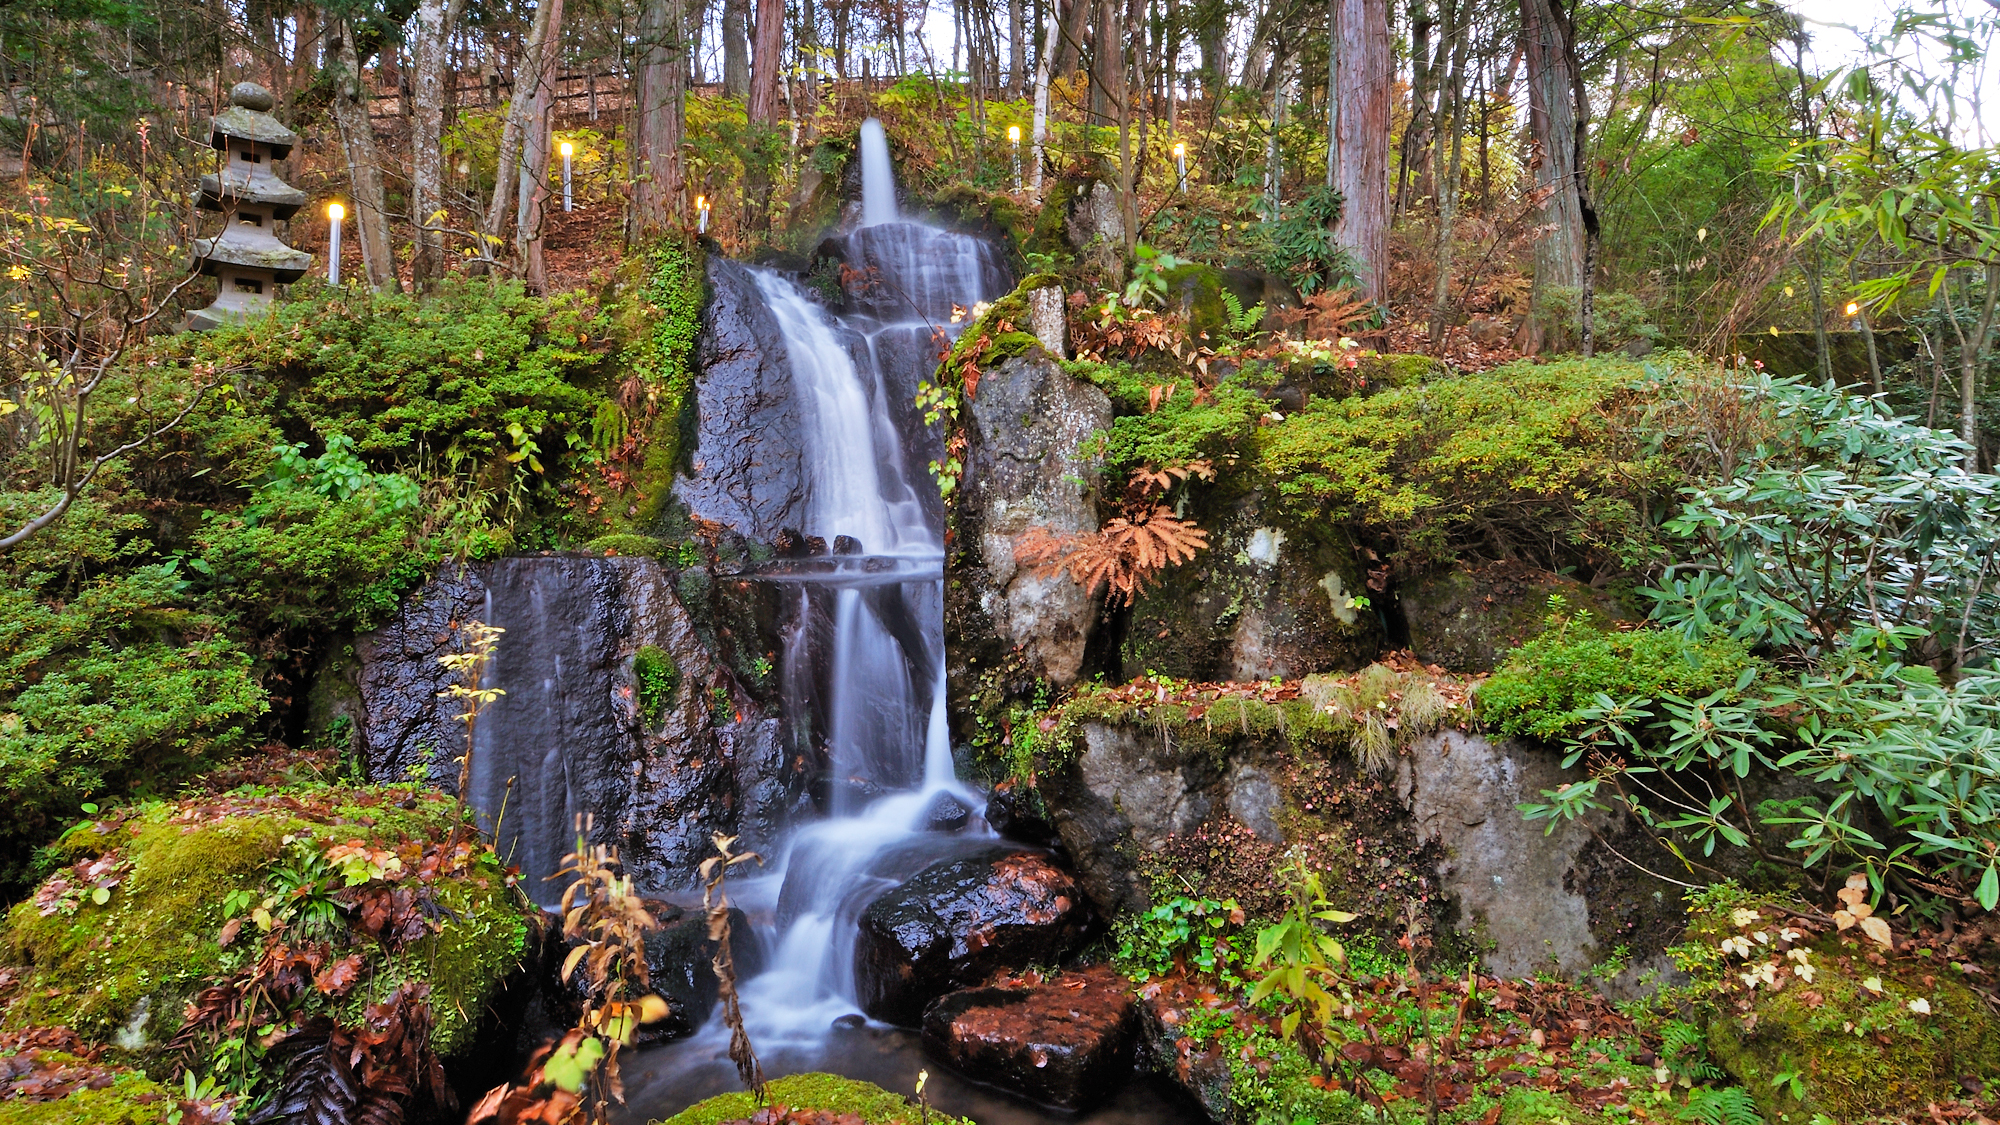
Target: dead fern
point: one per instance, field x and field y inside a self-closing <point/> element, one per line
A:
<point x="367" y="1075"/>
<point x="1331" y="314"/>
<point x="1125" y="555"/>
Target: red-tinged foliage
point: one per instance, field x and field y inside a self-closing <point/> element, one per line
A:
<point x="363" y="1075"/>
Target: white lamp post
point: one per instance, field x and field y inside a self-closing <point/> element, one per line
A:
<point x="566" y="150"/>
<point x="701" y="214"/>
<point x="1180" y="164"/>
<point x="1014" y="138"/>
<point x="334" y="212"/>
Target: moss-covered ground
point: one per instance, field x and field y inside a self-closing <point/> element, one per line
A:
<point x="169" y="928"/>
<point x="868" y="1103"/>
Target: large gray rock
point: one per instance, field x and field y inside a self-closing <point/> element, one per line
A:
<point x="1131" y="789"/>
<point x="1095" y="227"/>
<point x="1271" y="596"/>
<point x="1024" y="467"/>
<point x="568" y="739"/>
<point x="1529" y="900"/>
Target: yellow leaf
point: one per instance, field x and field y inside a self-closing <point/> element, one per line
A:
<point x="569" y="963"/>
<point x="1877" y="929"/>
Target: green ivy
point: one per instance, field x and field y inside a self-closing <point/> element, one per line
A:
<point x="658" y="676"/>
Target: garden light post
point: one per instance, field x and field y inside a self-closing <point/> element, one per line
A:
<point x="1180" y="165"/>
<point x="566" y="150"/>
<point x="1014" y="138"/>
<point x="701" y="214"/>
<point x="334" y="213"/>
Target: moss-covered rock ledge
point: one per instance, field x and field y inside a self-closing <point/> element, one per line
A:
<point x="865" y="1102"/>
<point x="167" y="929"/>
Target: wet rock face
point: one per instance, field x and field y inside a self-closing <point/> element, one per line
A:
<point x="1024" y="467"/>
<point x="679" y="968"/>
<point x="957" y="922"/>
<point x="1270" y="596"/>
<point x="1466" y="618"/>
<point x="568" y="739"/>
<point x="744" y="470"/>
<point x="1130" y="790"/>
<point x="1066" y="1042"/>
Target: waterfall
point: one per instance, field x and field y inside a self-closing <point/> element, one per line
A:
<point x="878" y="176"/>
<point x="871" y="637"/>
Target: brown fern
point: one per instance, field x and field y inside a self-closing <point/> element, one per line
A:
<point x="1122" y="558"/>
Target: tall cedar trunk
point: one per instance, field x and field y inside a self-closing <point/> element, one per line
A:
<point x="520" y="108"/>
<point x="535" y="145"/>
<point x="659" y="110"/>
<point x="766" y="62"/>
<point x="736" y="48"/>
<point x="1414" y="139"/>
<point x="1453" y="97"/>
<point x="1558" y="242"/>
<point x="1107" y="73"/>
<point x="1076" y="29"/>
<point x="1366" y="84"/>
<point x="431" y="51"/>
<point x="364" y="165"/>
<point x="1586" y="203"/>
<point x="1041" y="123"/>
<point x="1129" y="86"/>
<point x="1017" y="48"/>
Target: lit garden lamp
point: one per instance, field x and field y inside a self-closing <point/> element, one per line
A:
<point x="701" y="214"/>
<point x="1014" y="138"/>
<point x="1180" y="164"/>
<point x="1853" y="309"/>
<point x="334" y="213"/>
<point x="566" y="150"/>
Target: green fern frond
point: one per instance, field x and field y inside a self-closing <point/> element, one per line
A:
<point x="1729" y="1105"/>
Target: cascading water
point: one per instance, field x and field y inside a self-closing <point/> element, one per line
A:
<point x="872" y="622"/>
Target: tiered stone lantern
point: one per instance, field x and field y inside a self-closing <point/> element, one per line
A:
<point x="246" y="259"/>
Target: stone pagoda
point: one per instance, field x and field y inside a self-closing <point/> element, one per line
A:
<point x="246" y="259"/>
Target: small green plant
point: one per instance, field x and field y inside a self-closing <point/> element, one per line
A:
<point x="658" y="677"/>
<point x="1181" y="933"/>
<point x="1301" y="960"/>
<point x="1726" y="1105"/>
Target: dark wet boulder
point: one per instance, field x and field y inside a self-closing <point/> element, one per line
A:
<point x="1065" y="1042"/>
<point x="1017" y="813"/>
<point x="946" y="813"/>
<point x="679" y="968"/>
<point x="957" y="922"/>
<point x="1466" y="618"/>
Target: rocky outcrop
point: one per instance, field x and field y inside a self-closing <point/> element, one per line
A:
<point x="1130" y="790"/>
<point x="957" y="922"/>
<point x="1065" y="1042"/>
<point x="744" y="470"/>
<point x="1095" y="227"/>
<point x="1466" y="618"/>
<point x="573" y="737"/>
<point x="1529" y="900"/>
<point x="1026" y="427"/>
<point x="1271" y="596"/>
<point x="679" y="969"/>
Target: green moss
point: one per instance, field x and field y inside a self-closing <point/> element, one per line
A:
<point x="156" y="941"/>
<point x="658" y="676"/>
<point x="1398" y="370"/>
<point x="131" y="1099"/>
<point x="1196" y="291"/>
<point x="870" y="1102"/>
<point x="1542" y="685"/>
<point x="1542" y="1107"/>
<point x="626" y="543"/>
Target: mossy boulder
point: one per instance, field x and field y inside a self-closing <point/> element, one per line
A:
<point x="1873" y="1035"/>
<point x="160" y="900"/>
<point x="1213" y="299"/>
<point x="1467" y="617"/>
<point x="828" y="1092"/>
<point x="130" y="1099"/>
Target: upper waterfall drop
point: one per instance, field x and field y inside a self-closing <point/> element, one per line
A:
<point x="878" y="177"/>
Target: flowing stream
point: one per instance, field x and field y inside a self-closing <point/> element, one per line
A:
<point x="866" y="664"/>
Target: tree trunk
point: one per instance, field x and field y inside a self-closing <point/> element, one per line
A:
<point x="364" y="165"/>
<point x="431" y="51"/>
<point x="1414" y="140"/>
<point x="660" y="102"/>
<point x="1558" y="243"/>
<point x="1367" y="82"/>
<point x="535" y="156"/>
<point x="735" y="48"/>
<point x="1017" y="48"/>
<point x="520" y="107"/>
<point x="766" y="61"/>
<point x="1041" y="124"/>
<point x="1972" y="353"/>
<point x="1107" y="73"/>
<point x="1448" y="175"/>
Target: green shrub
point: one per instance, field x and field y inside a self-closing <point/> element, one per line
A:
<point x="1502" y="460"/>
<point x="1540" y="688"/>
<point x="658" y="677"/>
